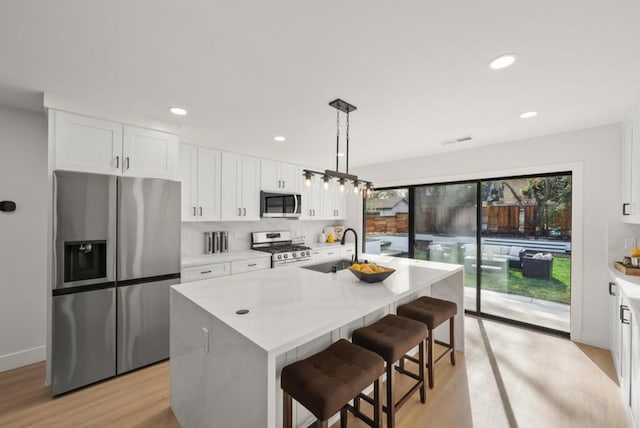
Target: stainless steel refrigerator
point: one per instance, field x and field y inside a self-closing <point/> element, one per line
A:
<point x="117" y="252"/>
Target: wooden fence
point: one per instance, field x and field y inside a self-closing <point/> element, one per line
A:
<point x="499" y="219"/>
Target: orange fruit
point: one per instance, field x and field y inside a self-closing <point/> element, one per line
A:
<point x="635" y="252"/>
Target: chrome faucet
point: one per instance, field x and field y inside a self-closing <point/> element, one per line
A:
<point x="355" y="234"/>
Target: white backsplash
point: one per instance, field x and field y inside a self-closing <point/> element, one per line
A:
<point x="240" y="232"/>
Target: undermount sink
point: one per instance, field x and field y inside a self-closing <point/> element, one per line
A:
<point x="328" y="267"/>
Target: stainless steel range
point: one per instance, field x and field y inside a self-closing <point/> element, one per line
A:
<point x="279" y="244"/>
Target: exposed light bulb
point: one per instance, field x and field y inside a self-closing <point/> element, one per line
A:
<point x="342" y="184"/>
<point x="307" y="181"/>
<point x="326" y="182"/>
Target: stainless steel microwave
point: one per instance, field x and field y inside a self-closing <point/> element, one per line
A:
<point x="286" y="205"/>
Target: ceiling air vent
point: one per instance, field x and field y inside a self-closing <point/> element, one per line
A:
<point x="457" y="140"/>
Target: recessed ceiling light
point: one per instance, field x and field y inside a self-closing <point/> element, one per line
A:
<point x="528" y="114"/>
<point x="503" y="61"/>
<point x="178" y="111"/>
<point x="279" y="138"/>
<point x="340" y="154"/>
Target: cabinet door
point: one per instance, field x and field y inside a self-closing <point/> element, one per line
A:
<point x="149" y="153"/>
<point x="231" y="186"/>
<point x="627" y="166"/>
<point x="635" y="367"/>
<point x="188" y="176"/>
<point x="614" y="325"/>
<point x="250" y="188"/>
<point x="87" y="144"/>
<point x="208" y="184"/>
<point x="290" y="176"/>
<point x="270" y="180"/>
<point x="625" y="348"/>
<point x="327" y="198"/>
<point x="312" y="198"/>
<point x="635" y="169"/>
<point x="340" y="203"/>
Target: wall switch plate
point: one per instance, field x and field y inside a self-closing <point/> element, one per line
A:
<point x="629" y="243"/>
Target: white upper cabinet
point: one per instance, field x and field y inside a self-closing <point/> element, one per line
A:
<point x="631" y="171"/>
<point x="279" y="176"/>
<point x="87" y="144"/>
<point x="240" y="194"/>
<point x="199" y="172"/>
<point x="149" y="153"/>
<point x="312" y="199"/>
<point x="335" y="202"/>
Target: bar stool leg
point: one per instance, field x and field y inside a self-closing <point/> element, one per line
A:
<point x="391" y="407"/>
<point x="423" y="388"/>
<point x="287" y="413"/>
<point x="377" y="404"/>
<point x="430" y="358"/>
<point x="452" y="341"/>
<point x="343" y="417"/>
<point x="322" y="424"/>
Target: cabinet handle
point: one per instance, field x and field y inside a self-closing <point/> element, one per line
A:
<point x="284" y="184"/>
<point x="206" y="271"/>
<point x="624" y="209"/>
<point x="194" y="211"/>
<point x="279" y="184"/>
<point x="252" y="264"/>
<point x="200" y="211"/>
<point x="611" y="293"/>
<point x="239" y="211"/>
<point x="117" y="162"/>
<point x="127" y="162"/>
<point x="623" y="320"/>
<point x="244" y="212"/>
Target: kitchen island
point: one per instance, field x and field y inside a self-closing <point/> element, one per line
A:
<point x="225" y="366"/>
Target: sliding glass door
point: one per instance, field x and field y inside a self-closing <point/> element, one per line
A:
<point x="445" y="225"/>
<point x="511" y="235"/>
<point x="526" y="249"/>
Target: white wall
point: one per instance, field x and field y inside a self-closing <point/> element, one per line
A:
<point x="593" y="154"/>
<point x="23" y="237"/>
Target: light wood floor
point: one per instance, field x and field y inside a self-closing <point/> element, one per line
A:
<point x="508" y="377"/>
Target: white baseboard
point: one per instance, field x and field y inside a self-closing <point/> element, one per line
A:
<point x="22" y="358"/>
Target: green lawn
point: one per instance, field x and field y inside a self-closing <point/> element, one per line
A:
<point x="557" y="289"/>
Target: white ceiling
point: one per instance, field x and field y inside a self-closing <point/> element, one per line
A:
<point x="249" y="70"/>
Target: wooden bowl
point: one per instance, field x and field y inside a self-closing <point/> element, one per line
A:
<point x="373" y="277"/>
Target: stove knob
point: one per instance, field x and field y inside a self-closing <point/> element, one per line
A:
<point x="308" y="253"/>
<point x="279" y="256"/>
<point x="285" y="256"/>
<point x="293" y="255"/>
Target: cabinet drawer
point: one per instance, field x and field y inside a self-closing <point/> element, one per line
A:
<point x="195" y="273"/>
<point x="241" y="266"/>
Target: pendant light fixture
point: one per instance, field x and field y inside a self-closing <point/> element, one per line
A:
<point x="343" y="177"/>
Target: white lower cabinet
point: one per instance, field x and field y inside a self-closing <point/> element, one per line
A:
<point x="240" y="266"/>
<point x="212" y="270"/>
<point x="624" y="332"/>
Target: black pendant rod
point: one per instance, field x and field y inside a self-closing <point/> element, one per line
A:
<point x="347" y="142"/>
<point x="337" y="137"/>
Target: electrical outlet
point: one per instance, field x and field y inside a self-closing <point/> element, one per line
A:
<point x="629" y="243"/>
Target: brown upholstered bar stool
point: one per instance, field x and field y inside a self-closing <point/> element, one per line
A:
<point x="432" y="312"/>
<point x="392" y="337"/>
<point x="325" y="382"/>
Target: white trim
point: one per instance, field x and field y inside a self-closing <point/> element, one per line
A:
<point x="22" y="358"/>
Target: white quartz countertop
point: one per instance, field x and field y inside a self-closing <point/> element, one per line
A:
<point x="204" y="259"/>
<point x="325" y="245"/>
<point x="289" y="305"/>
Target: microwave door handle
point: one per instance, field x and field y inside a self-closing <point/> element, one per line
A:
<point x="295" y="200"/>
